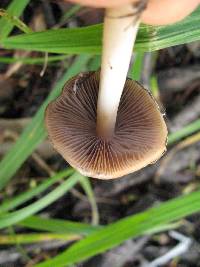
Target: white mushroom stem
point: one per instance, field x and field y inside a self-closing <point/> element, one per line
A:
<point x="120" y="29"/>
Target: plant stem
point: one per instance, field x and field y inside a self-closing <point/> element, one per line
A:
<point x="120" y="29"/>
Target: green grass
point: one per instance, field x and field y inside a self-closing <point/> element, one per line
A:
<point x="15" y="21"/>
<point x="8" y="219"/>
<point x="35" y="238"/>
<point x="15" y="211"/>
<point x="14" y="202"/>
<point x="88" y="39"/>
<point x="58" y="226"/>
<point x="15" y="8"/>
<point x="184" y="132"/>
<point x="136" y="70"/>
<point x="126" y="228"/>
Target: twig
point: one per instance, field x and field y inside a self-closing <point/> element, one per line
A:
<point x="13" y="68"/>
<point x="43" y="165"/>
<point x="182" y="247"/>
<point x="45" y="64"/>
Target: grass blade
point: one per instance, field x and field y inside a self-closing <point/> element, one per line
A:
<point x="18" y="200"/>
<point x="34" y="238"/>
<point x="58" y="226"/>
<point x="16" y="216"/>
<point x="89" y="39"/>
<point x="15" y="8"/>
<point x="15" y="21"/>
<point x="185" y="131"/>
<point x="35" y="132"/>
<point x="136" y="69"/>
<point x="85" y="183"/>
<point x="130" y="227"/>
<point x="70" y="13"/>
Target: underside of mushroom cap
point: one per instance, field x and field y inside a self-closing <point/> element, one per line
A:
<point x="140" y="132"/>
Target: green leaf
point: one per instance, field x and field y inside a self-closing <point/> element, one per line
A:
<point x="15" y="21"/>
<point x="16" y="216"/>
<point x="185" y="131"/>
<point x="130" y="227"/>
<point x="15" y="8"/>
<point x="95" y="63"/>
<point x="20" y="199"/>
<point x="85" y="183"/>
<point x="71" y="41"/>
<point x="69" y="227"/>
<point x="33" y="238"/>
<point x="88" y="39"/>
<point x="35" y="132"/>
<point x="70" y="13"/>
<point x="154" y="86"/>
<point x="58" y="226"/>
<point x="136" y="70"/>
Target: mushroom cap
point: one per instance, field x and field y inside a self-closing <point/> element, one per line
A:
<point x="140" y="132"/>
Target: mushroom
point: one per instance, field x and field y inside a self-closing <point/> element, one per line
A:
<point x="120" y="29"/>
<point x="103" y="124"/>
<point x="139" y="137"/>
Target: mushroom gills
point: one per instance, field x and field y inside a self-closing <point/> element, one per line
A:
<point x="139" y="137"/>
